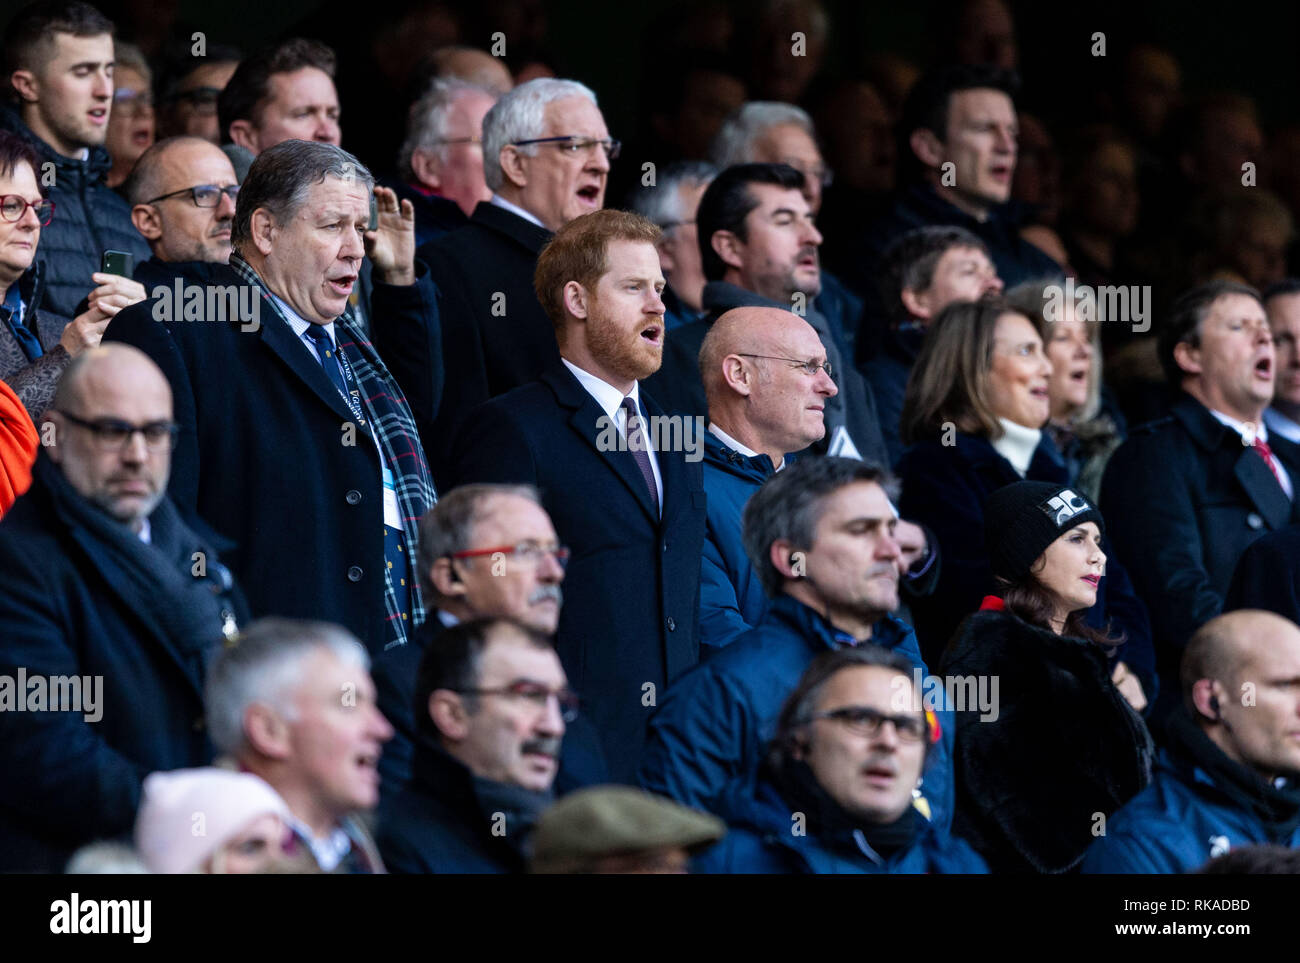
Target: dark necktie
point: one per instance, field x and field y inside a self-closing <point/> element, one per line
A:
<point x="328" y="359"/>
<point x="394" y="538"/>
<point x="636" y="442"/>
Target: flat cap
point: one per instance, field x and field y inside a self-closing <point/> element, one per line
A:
<point x="607" y="820"/>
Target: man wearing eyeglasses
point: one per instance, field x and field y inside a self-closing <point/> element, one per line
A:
<point x="488" y="551"/>
<point x="103" y="583"/>
<point x="442" y="159"/>
<point x="848" y="753"/>
<point x="59" y="79"/>
<point x="822" y="537"/>
<point x="182" y="193"/>
<point x="189" y="94"/>
<point x="494" y="704"/>
<point x="546" y="158"/>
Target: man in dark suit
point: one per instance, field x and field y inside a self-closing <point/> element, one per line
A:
<point x="107" y="596"/>
<point x="546" y="155"/>
<point x="296" y="441"/>
<point x="1186" y="494"/>
<point x="486" y="551"/>
<point x="629" y="502"/>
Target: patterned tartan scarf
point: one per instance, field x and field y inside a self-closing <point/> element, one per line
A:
<point x="394" y="427"/>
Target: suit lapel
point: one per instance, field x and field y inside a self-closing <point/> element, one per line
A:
<point x="588" y="419"/>
<point x="279" y="337"/>
<point x="1262" y="488"/>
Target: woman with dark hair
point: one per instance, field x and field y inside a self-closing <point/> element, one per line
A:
<point x="973" y="415"/>
<point x="1061" y="748"/>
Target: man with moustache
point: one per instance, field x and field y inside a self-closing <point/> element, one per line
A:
<point x="625" y="497"/>
<point x="487" y="551"/>
<point x="182" y="192"/>
<point x="493" y="702"/>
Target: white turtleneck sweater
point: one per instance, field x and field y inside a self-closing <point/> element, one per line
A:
<point x="1017" y="444"/>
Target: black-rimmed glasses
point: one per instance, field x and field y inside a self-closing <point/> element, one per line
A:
<point x="113" y="434"/>
<point x="204" y="195"/>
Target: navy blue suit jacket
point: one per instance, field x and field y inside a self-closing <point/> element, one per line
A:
<point x="631" y="606"/>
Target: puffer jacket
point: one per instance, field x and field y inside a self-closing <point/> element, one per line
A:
<point x="89" y="219"/>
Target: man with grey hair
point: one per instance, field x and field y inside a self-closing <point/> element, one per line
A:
<point x="671" y="203"/>
<point x="441" y="161"/>
<point x="767" y="132"/>
<point x="292" y="702"/>
<point x="295" y="440"/>
<point x="109" y="604"/>
<point x="546" y="157"/>
<point x="486" y="551"/>
<point x="821" y="538"/>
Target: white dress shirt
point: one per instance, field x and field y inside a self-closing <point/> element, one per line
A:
<point x="1248" y="436"/>
<point x="502" y="203"/>
<point x="610" y="400"/>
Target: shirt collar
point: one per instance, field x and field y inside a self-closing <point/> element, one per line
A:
<point x="736" y="446"/>
<point x="1257" y="431"/>
<point x="146" y="532"/>
<point x="607" y="396"/>
<point x="329" y="851"/>
<point x="1284" y="426"/>
<point x="296" y="322"/>
<point x="501" y="202"/>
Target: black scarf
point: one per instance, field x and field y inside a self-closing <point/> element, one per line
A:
<point x="521" y="807"/>
<point x="1277" y="808"/>
<point x="835" y="827"/>
<point x="155" y="579"/>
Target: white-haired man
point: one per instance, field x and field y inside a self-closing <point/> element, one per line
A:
<point x="441" y="161"/>
<point x="546" y="157"/>
<point x="292" y="702"/>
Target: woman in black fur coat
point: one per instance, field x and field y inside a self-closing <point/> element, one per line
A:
<point x="1040" y="770"/>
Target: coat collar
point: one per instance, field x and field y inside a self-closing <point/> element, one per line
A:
<point x="1250" y="470"/>
<point x="717" y="453"/>
<point x="500" y="221"/>
<point x="586" y="418"/>
<point x="820" y="635"/>
<point x="278" y="336"/>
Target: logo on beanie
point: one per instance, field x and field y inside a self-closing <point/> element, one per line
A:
<point x="1063" y="507"/>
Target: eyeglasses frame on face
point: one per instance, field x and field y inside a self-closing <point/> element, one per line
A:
<point x="472" y="139"/>
<point x="573" y="144"/>
<point x="98" y="427"/>
<point x="875" y="721"/>
<point x="133" y="99"/>
<point x="43" y="202"/>
<point x="561" y="552"/>
<point x="566" y="698"/>
<point x="231" y="191"/>
<point x="809" y="367"/>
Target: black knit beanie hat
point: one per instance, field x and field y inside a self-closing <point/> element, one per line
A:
<point x="1025" y="517"/>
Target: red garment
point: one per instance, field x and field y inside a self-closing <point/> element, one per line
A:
<point x="992" y="603"/>
<point x="18" y="441"/>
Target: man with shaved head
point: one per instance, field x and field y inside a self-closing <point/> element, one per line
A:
<point x="761" y="408"/>
<point x="182" y="192"/>
<point x="109" y="604"/>
<point x="1229" y="773"/>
